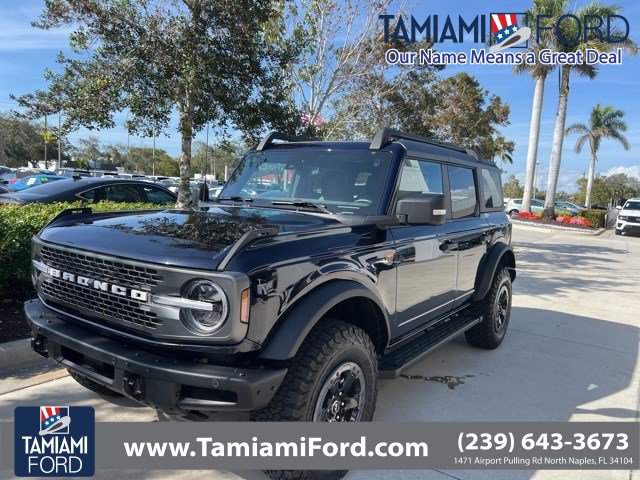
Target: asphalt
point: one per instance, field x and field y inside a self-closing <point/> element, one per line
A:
<point x="571" y="354"/>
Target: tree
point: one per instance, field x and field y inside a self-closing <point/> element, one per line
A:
<point x="604" y="122"/>
<point x="552" y="10"/>
<point x="22" y="142"/>
<point x="512" y="188"/>
<point x="335" y="40"/>
<point x="214" y="158"/>
<point x="211" y="61"/>
<point x="167" y="166"/>
<point x="612" y="189"/>
<point x="589" y="39"/>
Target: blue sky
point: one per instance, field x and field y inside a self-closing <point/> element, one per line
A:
<point x="25" y="53"/>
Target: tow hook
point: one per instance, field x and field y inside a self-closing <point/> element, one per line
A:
<point x="39" y="345"/>
<point x="133" y="386"/>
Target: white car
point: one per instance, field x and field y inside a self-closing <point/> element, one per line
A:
<point x="629" y="217"/>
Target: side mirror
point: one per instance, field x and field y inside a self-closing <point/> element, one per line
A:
<point x="422" y="208"/>
<point x="199" y="193"/>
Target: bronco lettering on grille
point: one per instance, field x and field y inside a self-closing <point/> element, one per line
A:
<point x="139" y="295"/>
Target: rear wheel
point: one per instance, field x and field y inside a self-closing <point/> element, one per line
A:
<point x="332" y="378"/>
<point x="495" y="309"/>
<point x="513" y="213"/>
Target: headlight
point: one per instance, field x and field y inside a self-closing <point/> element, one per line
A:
<point x="622" y="217"/>
<point x="209" y="319"/>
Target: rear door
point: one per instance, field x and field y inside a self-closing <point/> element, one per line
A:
<point x="426" y="275"/>
<point x="469" y="230"/>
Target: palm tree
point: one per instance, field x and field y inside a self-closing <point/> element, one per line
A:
<point x="504" y="150"/>
<point x="586" y="15"/>
<point x="604" y="122"/>
<point x="539" y="72"/>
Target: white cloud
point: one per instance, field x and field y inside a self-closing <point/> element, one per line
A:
<point x="632" y="171"/>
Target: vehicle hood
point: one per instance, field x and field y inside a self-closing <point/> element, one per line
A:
<point x="185" y="238"/>
<point x="629" y="213"/>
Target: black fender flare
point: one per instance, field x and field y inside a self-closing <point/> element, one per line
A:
<point x="499" y="254"/>
<point x="287" y="337"/>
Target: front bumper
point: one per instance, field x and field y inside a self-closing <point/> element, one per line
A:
<point x="627" y="227"/>
<point x="172" y="385"/>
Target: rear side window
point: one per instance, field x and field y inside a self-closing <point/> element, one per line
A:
<point x="491" y="188"/>
<point x="420" y="177"/>
<point x="158" y="196"/>
<point x="463" y="192"/>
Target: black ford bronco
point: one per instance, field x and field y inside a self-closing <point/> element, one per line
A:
<point x="320" y="268"/>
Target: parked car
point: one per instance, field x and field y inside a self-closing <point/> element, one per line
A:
<point x="33" y="181"/>
<point x="92" y="190"/>
<point x="6" y="174"/>
<point x="569" y="207"/>
<point x="515" y="205"/>
<point x="298" y="303"/>
<point x="537" y="206"/>
<point x="629" y="217"/>
<point x="71" y="172"/>
<point x="3" y="189"/>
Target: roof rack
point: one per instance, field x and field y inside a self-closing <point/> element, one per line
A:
<point x="386" y="134"/>
<point x="271" y="136"/>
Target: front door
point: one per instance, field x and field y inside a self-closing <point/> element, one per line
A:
<point x="425" y="259"/>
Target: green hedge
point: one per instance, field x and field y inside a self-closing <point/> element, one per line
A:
<point x="19" y="223"/>
<point x="595" y="217"/>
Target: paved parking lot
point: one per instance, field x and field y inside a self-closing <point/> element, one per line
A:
<point x="571" y="354"/>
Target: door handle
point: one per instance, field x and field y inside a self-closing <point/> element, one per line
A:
<point x="449" y="245"/>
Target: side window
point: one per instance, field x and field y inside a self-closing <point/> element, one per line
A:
<point x="463" y="192"/>
<point x="158" y="196"/>
<point x="124" y="193"/>
<point x="89" y="195"/>
<point x="418" y="176"/>
<point x="491" y="188"/>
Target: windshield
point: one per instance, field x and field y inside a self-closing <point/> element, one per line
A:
<point x="632" y="205"/>
<point x="343" y="181"/>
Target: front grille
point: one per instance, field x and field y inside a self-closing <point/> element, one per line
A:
<point x="633" y="219"/>
<point x="112" y="271"/>
<point x="103" y="304"/>
<point x="90" y="301"/>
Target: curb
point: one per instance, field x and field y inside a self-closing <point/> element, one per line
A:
<point x="16" y="354"/>
<point x="558" y="228"/>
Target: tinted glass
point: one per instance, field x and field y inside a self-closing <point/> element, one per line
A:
<point x="632" y="205"/>
<point x="158" y="196"/>
<point x="463" y="192"/>
<point x="123" y="193"/>
<point x="345" y="181"/>
<point x="418" y="176"/>
<point x="492" y="188"/>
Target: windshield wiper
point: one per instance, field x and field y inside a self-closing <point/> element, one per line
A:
<point x="302" y="203"/>
<point x="237" y="198"/>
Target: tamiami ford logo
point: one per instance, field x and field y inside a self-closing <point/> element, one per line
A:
<point x="54" y="441"/>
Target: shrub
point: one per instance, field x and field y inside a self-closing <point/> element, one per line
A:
<point x="594" y="216"/>
<point x="528" y="215"/>
<point x="18" y="223"/>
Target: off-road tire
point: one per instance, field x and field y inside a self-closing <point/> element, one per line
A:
<point x="329" y="344"/>
<point x="93" y="386"/>
<point x="487" y="334"/>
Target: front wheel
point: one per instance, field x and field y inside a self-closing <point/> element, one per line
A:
<point x="495" y="309"/>
<point x="332" y="378"/>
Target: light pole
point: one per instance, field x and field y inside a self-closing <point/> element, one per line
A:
<point x="59" y="140"/>
<point x="153" y="153"/>
<point x="535" y="179"/>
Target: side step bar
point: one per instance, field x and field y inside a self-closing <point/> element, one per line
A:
<point x="393" y="363"/>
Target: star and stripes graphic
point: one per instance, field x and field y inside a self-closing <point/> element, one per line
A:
<point x="54" y="419"/>
<point x="506" y="32"/>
